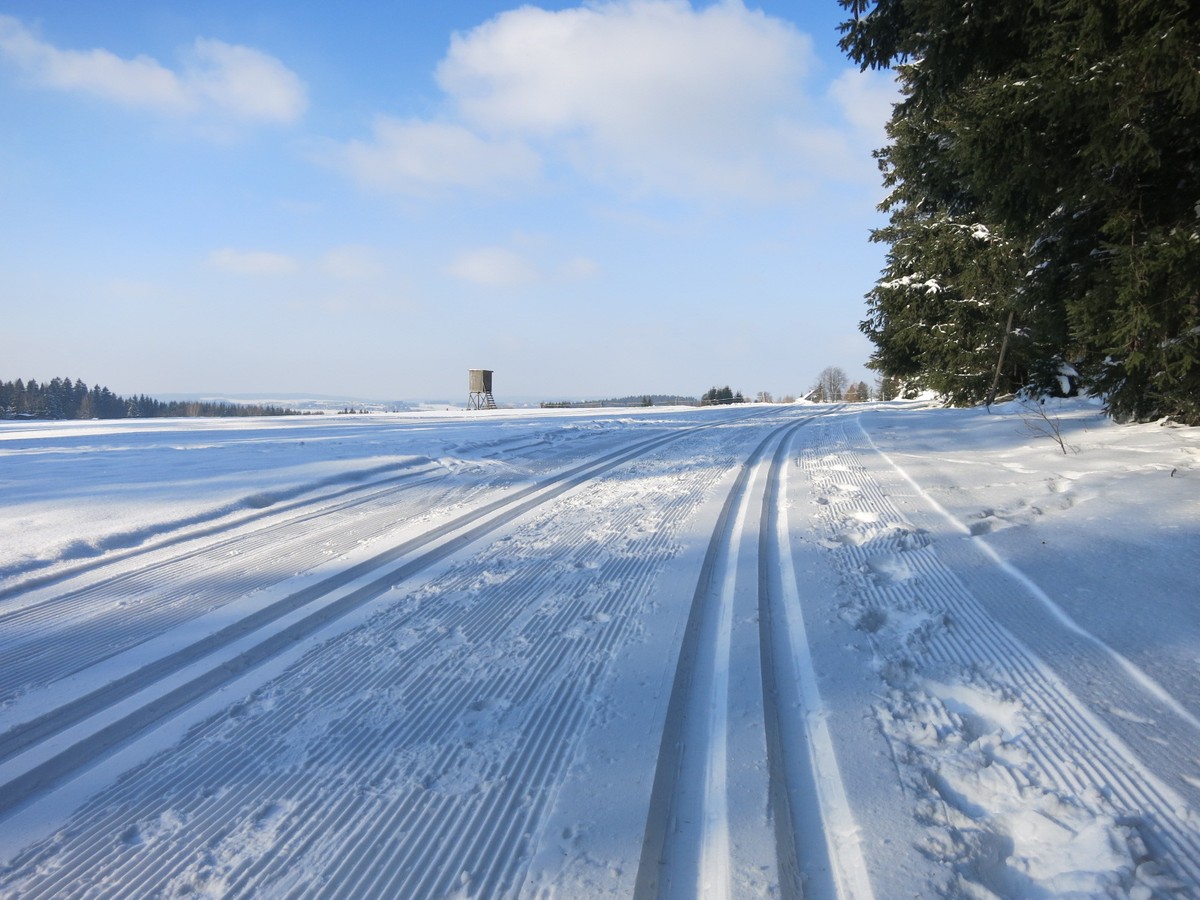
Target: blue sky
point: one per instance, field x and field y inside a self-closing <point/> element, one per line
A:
<point x="368" y="199"/>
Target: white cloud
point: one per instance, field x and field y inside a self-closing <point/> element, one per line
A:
<point x="225" y="80"/>
<point x="141" y="81"/>
<point x="412" y="156"/>
<point x="647" y="97"/>
<point x="350" y="263"/>
<point x="866" y="100"/>
<point x="651" y="91"/>
<point x="494" y="267"/>
<point x="346" y="278"/>
<point x="252" y="262"/>
<point x="244" y="82"/>
<point x="579" y="268"/>
<point x="501" y="267"/>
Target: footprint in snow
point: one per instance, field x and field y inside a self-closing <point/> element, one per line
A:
<point x="865" y="516"/>
<point x="872" y="621"/>
<point x="853" y="538"/>
<point x="908" y="536"/>
<point x="888" y="569"/>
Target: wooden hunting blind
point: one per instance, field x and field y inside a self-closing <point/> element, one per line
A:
<point x="480" y="389"/>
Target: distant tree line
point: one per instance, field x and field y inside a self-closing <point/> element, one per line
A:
<point x="62" y="398"/>
<point x="633" y="400"/>
<point x="718" y="396"/>
<point x="833" y="385"/>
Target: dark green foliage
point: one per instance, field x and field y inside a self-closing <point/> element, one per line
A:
<point x="716" y="396"/>
<point x="1069" y="131"/>
<point x="63" y="399"/>
<point x="887" y="388"/>
<point x="858" y="393"/>
<point x="938" y="318"/>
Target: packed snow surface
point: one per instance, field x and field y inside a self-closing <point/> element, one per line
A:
<point x="870" y="650"/>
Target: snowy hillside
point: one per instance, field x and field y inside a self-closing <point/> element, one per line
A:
<point x="851" y="651"/>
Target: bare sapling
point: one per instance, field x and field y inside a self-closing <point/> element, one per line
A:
<point x="1040" y="423"/>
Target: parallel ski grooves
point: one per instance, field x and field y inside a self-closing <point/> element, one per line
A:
<point x="195" y="532"/>
<point x="39" y="650"/>
<point x="1099" y="763"/>
<point x="772" y="645"/>
<point x="375" y="793"/>
<point x="655" y="868"/>
<point x="58" y="767"/>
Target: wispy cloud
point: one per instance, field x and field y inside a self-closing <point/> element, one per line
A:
<point x="350" y="263"/>
<point x="243" y="82"/>
<point x="350" y="277"/>
<point x="866" y="100"/>
<point x="413" y="156"/>
<point x="252" y="262"/>
<point x="501" y="267"/>
<point x="494" y="267"/>
<point x="214" y="78"/>
<point x="579" y="268"/>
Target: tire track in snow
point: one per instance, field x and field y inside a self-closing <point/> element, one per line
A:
<point x="153" y="692"/>
<point x="689" y="849"/>
<point x="411" y="756"/>
<point x="1003" y="758"/>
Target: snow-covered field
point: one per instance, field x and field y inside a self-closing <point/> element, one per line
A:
<point x="878" y="650"/>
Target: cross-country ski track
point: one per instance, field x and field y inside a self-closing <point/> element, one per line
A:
<point x="737" y="652"/>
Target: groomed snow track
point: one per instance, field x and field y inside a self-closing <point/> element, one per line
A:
<point x="728" y="755"/>
<point x="398" y="772"/>
<point x="430" y="684"/>
<point x="275" y="627"/>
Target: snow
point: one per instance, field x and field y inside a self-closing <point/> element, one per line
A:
<point x="862" y="650"/>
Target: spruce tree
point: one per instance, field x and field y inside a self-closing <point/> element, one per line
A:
<point x="1071" y="131"/>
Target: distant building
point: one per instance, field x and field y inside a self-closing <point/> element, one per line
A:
<point x="480" y="389"/>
